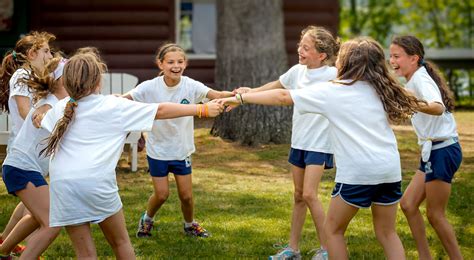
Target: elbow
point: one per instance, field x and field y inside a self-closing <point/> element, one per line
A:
<point x="284" y="98"/>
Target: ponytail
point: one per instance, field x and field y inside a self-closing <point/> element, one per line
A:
<point x="446" y="93"/>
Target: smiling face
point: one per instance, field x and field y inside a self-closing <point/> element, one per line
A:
<point x="403" y="64"/>
<point x="39" y="58"/>
<point x="173" y="65"/>
<point x="307" y="53"/>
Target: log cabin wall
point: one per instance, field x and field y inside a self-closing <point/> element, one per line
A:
<point x="128" y="33"/>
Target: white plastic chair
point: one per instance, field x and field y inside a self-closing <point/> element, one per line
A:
<point x="4" y="128"/>
<point x="121" y="83"/>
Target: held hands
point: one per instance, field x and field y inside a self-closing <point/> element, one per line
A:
<point x="214" y="108"/>
<point x="230" y="103"/>
<point x="38" y="115"/>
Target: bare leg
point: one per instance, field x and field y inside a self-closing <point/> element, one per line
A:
<point x="312" y="178"/>
<point x="412" y="198"/>
<point x="115" y="232"/>
<point x="437" y="196"/>
<point x="17" y="214"/>
<point x="299" y="208"/>
<point x="159" y="196"/>
<point x="82" y="241"/>
<point x="338" y="218"/>
<point x="36" y="199"/>
<point x="185" y="192"/>
<point x="24" y="227"/>
<point x="384" y="218"/>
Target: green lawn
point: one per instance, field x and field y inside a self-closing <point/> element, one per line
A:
<point x="243" y="196"/>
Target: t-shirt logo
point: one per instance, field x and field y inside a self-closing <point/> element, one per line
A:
<point x="185" y="101"/>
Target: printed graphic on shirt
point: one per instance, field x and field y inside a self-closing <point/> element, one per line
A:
<point x="185" y="101"/>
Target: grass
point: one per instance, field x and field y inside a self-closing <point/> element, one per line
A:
<point x="243" y="196"/>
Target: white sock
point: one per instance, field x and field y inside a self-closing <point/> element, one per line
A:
<point x="186" y="224"/>
<point x="148" y="218"/>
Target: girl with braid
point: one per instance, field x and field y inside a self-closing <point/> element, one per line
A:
<point x="441" y="156"/>
<point x="88" y="131"/>
<point x="24" y="169"/>
<point x="358" y="104"/>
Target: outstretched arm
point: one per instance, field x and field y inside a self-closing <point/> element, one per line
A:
<point x="173" y="110"/>
<point x="269" y="86"/>
<point x="214" y="94"/>
<point x="275" y="97"/>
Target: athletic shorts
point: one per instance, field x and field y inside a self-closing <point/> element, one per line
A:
<point x="302" y="158"/>
<point x="443" y="163"/>
<point x="16" y="179"/>
<point x="161" y="168"/>
<point x="362" y="196"/>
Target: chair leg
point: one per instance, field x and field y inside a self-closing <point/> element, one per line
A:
<point x="134" y="156"/>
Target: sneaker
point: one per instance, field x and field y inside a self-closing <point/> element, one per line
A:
<point x="286" y="253"/>
<point x="144" y="227"/>
<point x="6" y="257"/>
<point x="196" y="230"/>
<point x="321" y="254"/>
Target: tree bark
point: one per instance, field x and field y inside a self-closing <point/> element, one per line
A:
<point x="251" y="52"/>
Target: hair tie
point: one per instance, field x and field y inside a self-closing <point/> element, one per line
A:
<point x="422" y="62"/>
<point x="72" y="101"/>
<point x="14" y="55"/>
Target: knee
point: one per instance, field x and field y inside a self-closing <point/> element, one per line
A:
<point x="384" y="234"/>
<point x="407" y="207"/>
<point x="161" y="197"/>
<point x="186" y="199"/>
<point x="309" y="197"/>
<point x="434" y="217"/>
<point x="298" y="197"/>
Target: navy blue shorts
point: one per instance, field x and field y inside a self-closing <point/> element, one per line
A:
<point x="302" y="158"/>
<point x="443" y="163"/>
<point x="16" y="179"/>
<point x="161" y="168"/>
<point x="362" y="196"/>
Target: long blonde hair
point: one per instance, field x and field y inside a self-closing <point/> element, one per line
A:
<point x="82" y="76"/>
<point x="363" y="59"/>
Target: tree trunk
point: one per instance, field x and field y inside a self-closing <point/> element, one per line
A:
<point x="251" y="52"/>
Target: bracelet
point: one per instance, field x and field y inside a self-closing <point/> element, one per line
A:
<point x="239" y="98"/>
<point x="199" y="111"/>
<point x="206" y="110"/>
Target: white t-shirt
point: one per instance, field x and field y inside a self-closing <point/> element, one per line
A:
<point x="171" y="139"/>
<point x="310" y="131"/>
<point x="365" y="147"/>
<point x="430" y="126"/>
<point x="25" y="149"/>
<point x="17" y="88"/>
<point x="83" y="186"/>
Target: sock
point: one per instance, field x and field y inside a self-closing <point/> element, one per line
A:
<point x="148" y="218"/>
<point x="186" y="224"/>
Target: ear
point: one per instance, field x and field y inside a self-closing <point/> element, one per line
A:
<point x="31" y="54"/>
<point x="322" y="56"/>
<point x="414" y="59"/>
<point x="159" y="64"/>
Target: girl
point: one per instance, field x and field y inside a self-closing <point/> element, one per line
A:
<point x="358" y="106"/>
<point x="23" y="168"/>
<point x="171" y="142"/>
<point x="441" y="153"/>
<point x="88" y="134"/>
<point x="311" y="151"/>
<point x="31" y="53"/>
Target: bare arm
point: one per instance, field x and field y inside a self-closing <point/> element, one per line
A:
<point x="213" y="94"/>
<point x="127" y="96"/>
<point x="275" y="97"/>
<point x="269" y="86"/>
<point x="38" y="114"/>
<point x="23" y="104"/>
<point x="172" y="110"/>
<point x="433" y="108"/>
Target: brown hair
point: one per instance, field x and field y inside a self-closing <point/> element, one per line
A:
<point x="17" y="58"/>
<point x="412" y="46"/>
<point x="42" y="83"/>
<point x="363" y="59"/>
<point x="82" y="75"/>
<point x="324" y="42"/>
<point x="168" y="47"/>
